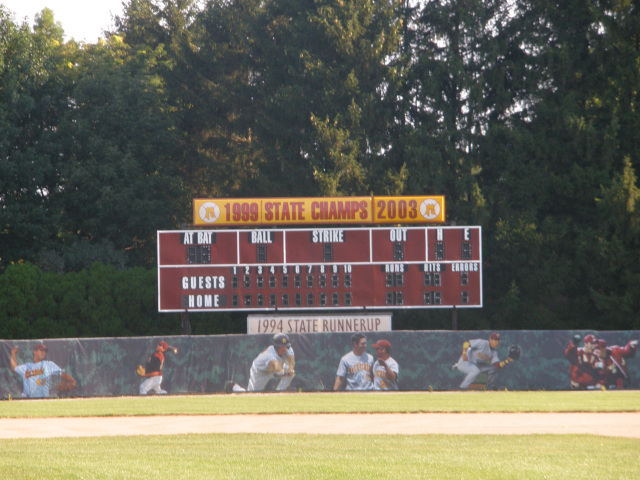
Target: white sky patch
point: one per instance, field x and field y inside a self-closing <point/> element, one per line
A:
<point x="82" y="20"/>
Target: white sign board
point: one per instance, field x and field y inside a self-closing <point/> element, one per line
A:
<point x="364" y="322"/>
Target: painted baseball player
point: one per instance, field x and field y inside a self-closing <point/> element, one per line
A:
<point x="480" y="356"/>
<point x="612" y="364"/>
<point x="277" y="360"/>
<point x="385" y="368"/>
<point x="152" y="372"/>
<point x="355" y="367"/>
<point x="36" y="375"/>
<point x="583" y="373"/>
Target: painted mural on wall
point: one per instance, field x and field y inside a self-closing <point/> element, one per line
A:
<point x="402" y="360"/>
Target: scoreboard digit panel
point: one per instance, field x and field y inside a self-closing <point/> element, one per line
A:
<point x="454" y="244"/>
<point x="316" y="269"/>
<point x="328" y="245"/>
<point x="261" y="246"/>
<point x="399" y="245"/>
<point x="197" y="247"/>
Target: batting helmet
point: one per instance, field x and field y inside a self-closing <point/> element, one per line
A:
<point x="589" y="339"/>
<point x="281" y="340"/>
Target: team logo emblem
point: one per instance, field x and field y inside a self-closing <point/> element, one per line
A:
<point x="209" y="212"/>
<point x="430" y="209"/>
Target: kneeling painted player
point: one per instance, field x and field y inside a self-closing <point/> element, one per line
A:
<point x="277" y="360"/>
<point x="385" y="368"/>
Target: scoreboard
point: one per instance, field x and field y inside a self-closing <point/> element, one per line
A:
<point x="319" y="269"/>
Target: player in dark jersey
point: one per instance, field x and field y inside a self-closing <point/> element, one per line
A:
<point x="153" y="370"/>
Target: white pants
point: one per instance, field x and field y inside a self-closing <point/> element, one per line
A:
<point x="152" y="384"/>
<point x="258" y="381"/>
<point x="472" y="371"/>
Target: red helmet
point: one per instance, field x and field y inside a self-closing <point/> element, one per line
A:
<point x="601" y="344"/>
<point x="589" y="339"/>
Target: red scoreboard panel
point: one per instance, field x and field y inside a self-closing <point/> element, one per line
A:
<point x="319" y="269"/>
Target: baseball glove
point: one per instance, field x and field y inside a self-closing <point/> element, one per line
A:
<point x="515" y="352"/>
<point x="64" y="387"/>
<point x="141" y="371"/>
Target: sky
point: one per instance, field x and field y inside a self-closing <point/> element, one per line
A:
<point x="83" y="20"/>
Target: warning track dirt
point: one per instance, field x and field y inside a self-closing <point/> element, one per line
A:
<point x="606" y="424"/>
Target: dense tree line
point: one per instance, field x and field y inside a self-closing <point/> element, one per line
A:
<point x="523" y="114"/>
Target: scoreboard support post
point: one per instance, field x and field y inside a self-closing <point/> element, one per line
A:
<point x="186" y="324"/>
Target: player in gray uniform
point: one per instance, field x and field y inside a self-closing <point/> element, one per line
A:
<point x="385" y="368"/>
<point x="277" y="360"/>
<point x="37" y="375"/>
<point x="355" y="367"/>
<point x="480" y="356"/>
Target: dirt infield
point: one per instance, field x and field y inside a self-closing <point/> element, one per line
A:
<point x="607" y="424"/>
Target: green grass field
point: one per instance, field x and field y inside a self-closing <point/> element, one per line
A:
<point x="379" y="402"/>
<point x="366" y="456"/>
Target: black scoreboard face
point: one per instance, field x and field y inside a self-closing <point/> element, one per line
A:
<point x="319" y="269"/>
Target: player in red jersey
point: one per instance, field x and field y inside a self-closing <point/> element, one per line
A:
<point x="582" y="362"/>
<point x="612" y="368"/>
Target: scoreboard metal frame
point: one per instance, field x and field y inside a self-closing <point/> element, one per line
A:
<point x="320" y="269"/>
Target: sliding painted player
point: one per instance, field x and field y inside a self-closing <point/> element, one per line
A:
<point x="481" y="356"/>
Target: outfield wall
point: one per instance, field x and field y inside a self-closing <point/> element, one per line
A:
<point x="106" y="366"/>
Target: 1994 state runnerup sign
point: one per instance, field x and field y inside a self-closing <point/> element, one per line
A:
<point x="365" y="322"/>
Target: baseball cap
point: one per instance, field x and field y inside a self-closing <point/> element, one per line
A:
<point x="40" y="346"/>
<point x="494" y="336"/>
<point x="164" y="345"/>
<point x="382" y="343"/>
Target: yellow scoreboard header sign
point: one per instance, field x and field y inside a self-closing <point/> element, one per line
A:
<point x="320" y="210"/>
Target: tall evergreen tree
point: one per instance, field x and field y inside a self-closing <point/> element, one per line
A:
<point x="614" y="279"/>
<point x="86" y="139"/>
<point x="48" y="26"/>
<point x="447" y="109"/>
<point x="543" y="173"/>
<point x="207" y="69"/>
<point x="33" y="96"/>
<point x="120" y="182"/>
<point x="326" y="85"/>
